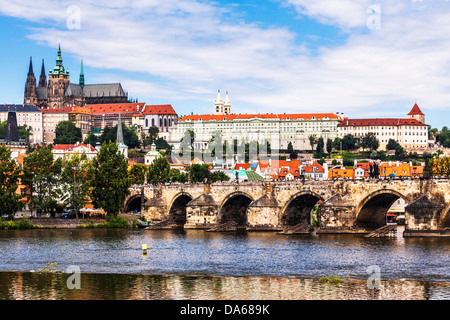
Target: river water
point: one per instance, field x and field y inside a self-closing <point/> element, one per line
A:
<point x="195" y="264"/>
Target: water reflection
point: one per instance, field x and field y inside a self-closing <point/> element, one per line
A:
<point x="195" y="264"/>
<point x="33" y="286"/>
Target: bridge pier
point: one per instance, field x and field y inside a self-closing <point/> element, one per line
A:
<point x="264" y="214"/>
<point x="201" y="213"/>
<point x="337" y="215"/>
<point x="423" y="218"/>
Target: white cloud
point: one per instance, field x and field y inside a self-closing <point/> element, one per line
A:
<point x="188" y="48"/>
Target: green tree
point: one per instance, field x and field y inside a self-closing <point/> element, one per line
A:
<point x="76" y="176"/>
<point x="91" y="139"/>
<point x="400" y="153"/>
<point x="370" y="141"/>
<point x="153" y="132"/>
<point x="349" y="142"/>
<point x="130" y="136"/>
<point x="320" y="146"/>
<point x="67" y="133"/>
<point x="391" y="144"/>
<point x="337" y="143"/>
<point x="137" y="173"/>
<point x="198" y="172"/>
<point x="158" y="171"/>
<point x="290" y="148"/>
<point x="175" y="175"/>
<point x="312" y="141"/>
<point x="444" y="137"/>
<point x="42" y="176"/>
<point x="219" y="176"/>
<point x="9" y="179"/>
<point x="109" y="179"/>
<point x="161" y="143"/>
<point x="329" y="145"/>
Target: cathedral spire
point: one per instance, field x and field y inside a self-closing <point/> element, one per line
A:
<point x="119" y="139"/>
<point x="43" y="77"/>
<point x="59" y="68"/>
<point x="82" y="74"/>
<point x="30" y="69"/>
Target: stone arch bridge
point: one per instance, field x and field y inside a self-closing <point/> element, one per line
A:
<point x="331" y="206"/>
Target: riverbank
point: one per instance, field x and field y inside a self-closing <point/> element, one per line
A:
<point x="60" y="223"/>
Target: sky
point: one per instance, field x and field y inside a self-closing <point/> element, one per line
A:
<point x="362" y="58"/>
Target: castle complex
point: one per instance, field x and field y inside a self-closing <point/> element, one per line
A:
<point x="59" y="93"/>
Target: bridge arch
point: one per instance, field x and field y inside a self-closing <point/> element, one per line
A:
<point x="444" y="221"/>
<point x="298" y="208"/>
<point x="133" y="203"/>
<point x="371" y="211"/>
<point x="177" y="208"/>
<point x="234" y="208"/>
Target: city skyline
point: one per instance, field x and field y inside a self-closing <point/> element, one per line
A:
<point x="362" y="58"/>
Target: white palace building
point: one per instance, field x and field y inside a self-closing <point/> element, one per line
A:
<point x="277" y="129"/>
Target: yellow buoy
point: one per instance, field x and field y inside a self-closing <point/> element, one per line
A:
<point x="144" y="248"/>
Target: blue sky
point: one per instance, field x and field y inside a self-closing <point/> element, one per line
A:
<point x="288" y="56"/>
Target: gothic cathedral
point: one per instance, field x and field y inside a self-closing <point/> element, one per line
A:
<point x="60" y="93"/>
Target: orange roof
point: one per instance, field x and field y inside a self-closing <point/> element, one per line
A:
<point x="310" y="168"/>
<point x="229" y="117"/>
<point x="116" y="108"/>
<point x="415" y="110"/>
<point x="242" y="166"/>
<point x="159" y="109"/>
<point x="62" y="110"/>
<point x="294" y="171"/>
<point x="81" y="110"/>
<point x="379" y="122"/>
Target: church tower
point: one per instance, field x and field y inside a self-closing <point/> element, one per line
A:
<point x="58" y="81"/>
<point x="30" y="96"/>
<point x="227" y="105"/>
<point x="417" y="114"/>
<point x="218" y="104"/>
<point x="123" y="149"/>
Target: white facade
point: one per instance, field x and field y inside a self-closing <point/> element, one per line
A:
<point x="411" y="132"/>
<point x="278" y="129"/>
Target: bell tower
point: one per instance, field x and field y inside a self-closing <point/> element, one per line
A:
<point x="58" y="81"/>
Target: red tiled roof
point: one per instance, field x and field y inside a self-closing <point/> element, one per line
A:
<point x="116" y="108"/>
<point x="315" y="164"/>
<point x="70" y="147"/>
<point x="159" y="109"/>
<point x="209" y="117"/>
<point x="244" y="166"/>
<point x="62" y="110"/>
<point x="415" y="110"/>
<point x="379" y="122"/>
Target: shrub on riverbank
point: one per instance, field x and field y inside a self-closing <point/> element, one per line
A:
<point x="23" y="223"/>
<point x="111" y="222"/>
